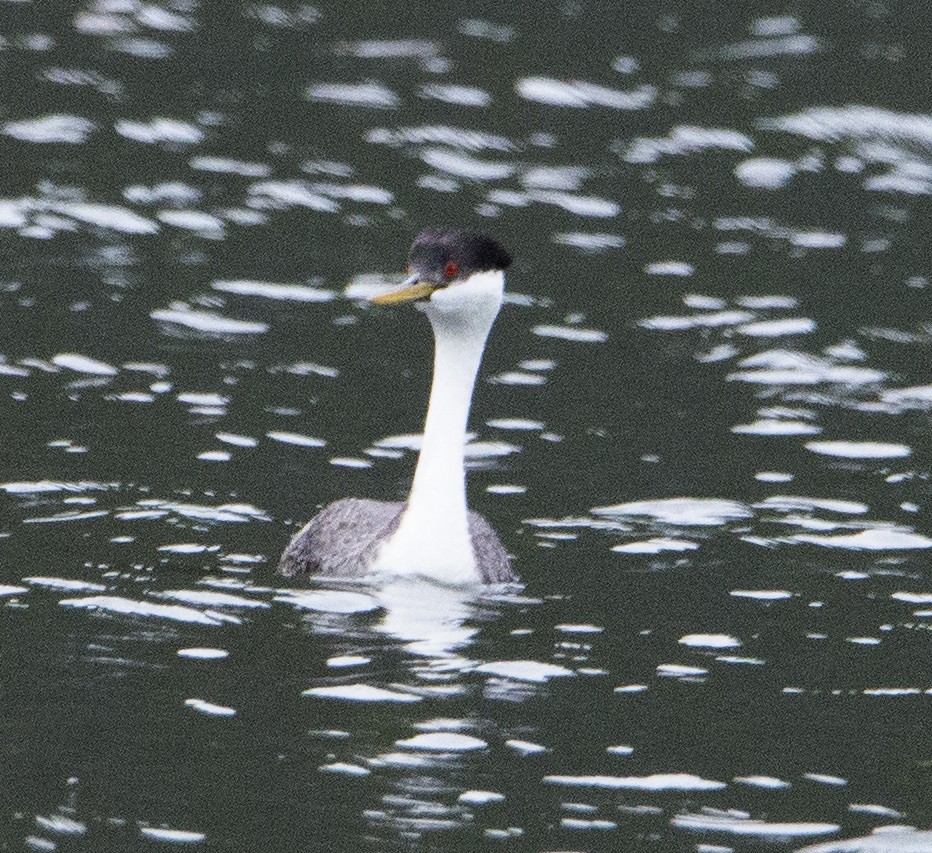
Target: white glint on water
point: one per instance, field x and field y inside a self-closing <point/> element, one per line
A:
<point x="209" y="708"/>
<point x="653" y="782"/>
<point x="442" y="742"/>
<point x="360" y="693"/>
<point x="710" y="641"/>
<point x="525" y="670"/>
<point x="859" y="449"/>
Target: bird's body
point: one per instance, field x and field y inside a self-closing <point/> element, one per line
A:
<point x="459" y="279"/>
<point x="344" y="538"/>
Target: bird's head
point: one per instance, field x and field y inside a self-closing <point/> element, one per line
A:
<point x="452" y="272"/>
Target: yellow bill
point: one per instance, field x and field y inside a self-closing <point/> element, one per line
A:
<point x="408" y="293"/>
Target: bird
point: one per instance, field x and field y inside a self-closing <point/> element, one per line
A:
<point x="457" y="279"/>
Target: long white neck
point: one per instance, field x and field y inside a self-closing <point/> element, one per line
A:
<point x="433" y="537"/>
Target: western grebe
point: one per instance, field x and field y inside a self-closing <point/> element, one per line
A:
<point x="457" y="279"/>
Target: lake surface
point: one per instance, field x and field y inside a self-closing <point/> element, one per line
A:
<point x="702" y="426"/>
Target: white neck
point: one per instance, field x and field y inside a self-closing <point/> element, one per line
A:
<point x="433" y="538"/>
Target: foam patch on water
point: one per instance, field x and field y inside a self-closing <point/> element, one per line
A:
<point x="525" y="670"/>
<point x="360" y="693"/>
<point x="654" y="782"/>
<point x="750" y="827"/>
<point x="442" y="742"/>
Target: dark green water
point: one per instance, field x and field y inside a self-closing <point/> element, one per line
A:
<point x="702" y="427"/>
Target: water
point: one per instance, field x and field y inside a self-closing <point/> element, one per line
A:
<point x="702" y="428"/>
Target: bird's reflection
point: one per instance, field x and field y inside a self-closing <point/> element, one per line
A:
<point x="430" y="619"/>
<point x="410" y="747"/>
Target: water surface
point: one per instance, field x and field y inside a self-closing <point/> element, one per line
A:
<point x="701" y="429"/>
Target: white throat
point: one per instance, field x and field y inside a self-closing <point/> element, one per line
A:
<point x="432" y="539"/>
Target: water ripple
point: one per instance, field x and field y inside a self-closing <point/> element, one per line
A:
<point x="69" y="129"/>
<point x="578" y="94"/>
<point x="371" y="94"/>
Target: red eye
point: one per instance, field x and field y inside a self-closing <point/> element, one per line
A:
<point x="451" y="269"/>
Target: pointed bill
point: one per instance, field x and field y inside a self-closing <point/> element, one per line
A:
<point x="410" y="290"/>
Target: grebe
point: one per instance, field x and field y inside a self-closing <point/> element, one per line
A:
<point x="457" y="279"/>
